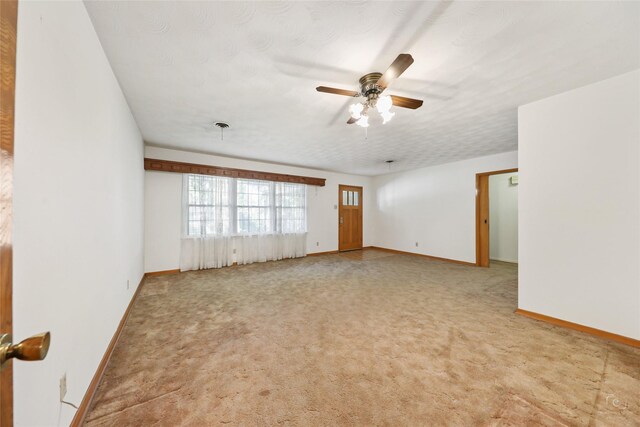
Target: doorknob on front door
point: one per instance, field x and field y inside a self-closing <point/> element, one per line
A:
<point x="33" y="348"/>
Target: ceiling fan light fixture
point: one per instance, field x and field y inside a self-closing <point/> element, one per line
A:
<point x="386" y="116"/>
<point x="383" y="104"/>
<point x="356" y="110"/>
<point x="363" y="121"/>
<point x="371" y="87"/>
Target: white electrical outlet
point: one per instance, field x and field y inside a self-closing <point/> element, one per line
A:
<point x="63" y="387"/>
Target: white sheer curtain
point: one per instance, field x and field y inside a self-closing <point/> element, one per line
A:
<point x="207" y="205"/>
<point x="291" y="208"/>
<point x="269" y="247"/>
<point x="206" y="241"/>
<point x="197" y="253"/>
<point x="245" y="221"/>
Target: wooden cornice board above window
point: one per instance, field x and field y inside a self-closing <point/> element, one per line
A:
<point x="181" y="167"/>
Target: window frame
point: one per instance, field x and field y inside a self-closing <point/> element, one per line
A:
<point x="274" y="218"/>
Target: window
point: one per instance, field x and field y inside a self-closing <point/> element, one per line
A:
<point x="254" y="206"/>
<point x="350" y="198"/>
<point x="208" y="210"/>
<point x="291" y="208"/>
<point x="228" y="206"/>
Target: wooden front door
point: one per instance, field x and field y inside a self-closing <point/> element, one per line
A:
<point x="349" y="218"/>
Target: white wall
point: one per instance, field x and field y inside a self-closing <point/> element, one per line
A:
<point x="163" y="209"/>
<point x="503" y="218"/>
<point x="580" y="205"/>
<point x="434" y="206"/>
<point x="78" y="218"/>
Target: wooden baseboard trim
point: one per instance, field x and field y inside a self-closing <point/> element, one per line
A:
<point x="395" y="251"/>
<point x="322" y="253"/>
<point x="83" y="409"/>
<point x="161" y="273"/>
<point x="577" y="327"/>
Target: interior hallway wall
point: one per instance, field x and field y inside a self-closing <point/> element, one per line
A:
<point x="503" y="218"/>
<point x="78" y="206"/>
<point x="433" y="206"/>
<point x="579" y="205"/>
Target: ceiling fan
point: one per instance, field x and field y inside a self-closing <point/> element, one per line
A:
<point x="371" y="86"/>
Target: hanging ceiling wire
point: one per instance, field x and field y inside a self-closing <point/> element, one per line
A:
<point x="222" y="126"/>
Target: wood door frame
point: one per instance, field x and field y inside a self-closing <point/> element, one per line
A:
<point x="8" y="36"/>
<point x="340" y="187"/>
<point x="482" y="198"/>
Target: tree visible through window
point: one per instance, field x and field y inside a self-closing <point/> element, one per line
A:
<point x="291" y="208"/>
<point x="254" y="206"/>
<point x="208" y="209"/>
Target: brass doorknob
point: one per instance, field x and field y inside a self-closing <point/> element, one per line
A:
<point x="33" y="348"/>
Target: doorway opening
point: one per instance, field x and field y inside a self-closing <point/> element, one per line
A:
<point x="497" y="217"/>
<point x="349" y="218"/>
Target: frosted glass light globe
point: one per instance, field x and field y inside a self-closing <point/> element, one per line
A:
<point x="384" y="104"/>
<point x="363" y="121"/>
<point x="356" y="110"/>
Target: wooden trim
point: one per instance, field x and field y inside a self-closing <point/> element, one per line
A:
<point x="85" y="405"/>
<point x="482" y="201"/>
<point x="482" y="215"/>
<point x="581" y="328"/>
<point x="161" y="273"/>
<point x="395" y="251"/>
<point x="322" y="253"/>
<point x="500" y="172"/>
<point x="8" y="37"/>
<point x="181" y="167"/>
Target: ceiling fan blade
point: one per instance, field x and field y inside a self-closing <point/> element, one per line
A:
<point x="401" y="101"/>
<point x="351" y="121"/>
<point x="335" y="91"/>
<point x="398" y="67"/>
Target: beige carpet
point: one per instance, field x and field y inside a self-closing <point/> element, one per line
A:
<point x="363" y="339"/>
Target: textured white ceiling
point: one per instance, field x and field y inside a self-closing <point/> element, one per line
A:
<point x="184" y="65"/>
